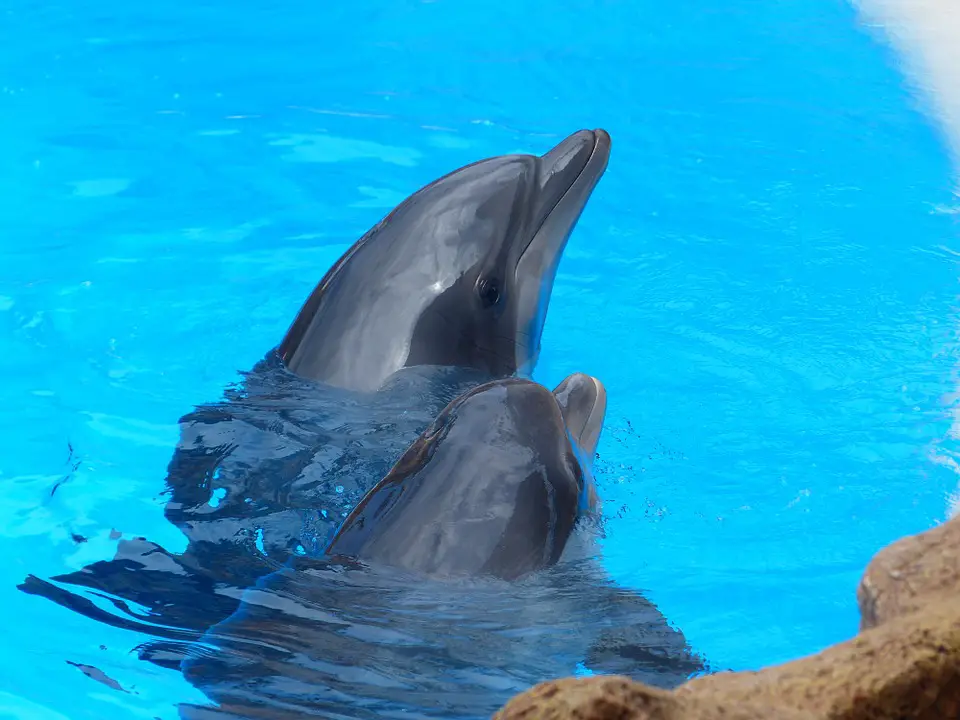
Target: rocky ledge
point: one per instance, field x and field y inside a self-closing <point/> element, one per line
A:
<point x="904" y="664"/>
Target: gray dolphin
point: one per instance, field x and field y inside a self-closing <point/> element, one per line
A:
<point x="458" y="275"/>
<point x="492" y="487"/>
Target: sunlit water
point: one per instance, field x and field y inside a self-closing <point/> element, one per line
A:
<point x="765" y="280"/>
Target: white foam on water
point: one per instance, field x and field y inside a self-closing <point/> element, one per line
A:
<point x="926" y="35"/>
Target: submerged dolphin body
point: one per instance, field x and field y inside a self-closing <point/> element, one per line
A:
<point x="442" y="594"/>
<point x="344" y="641"/>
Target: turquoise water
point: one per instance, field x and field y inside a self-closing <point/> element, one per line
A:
<point x="765" y="280"/>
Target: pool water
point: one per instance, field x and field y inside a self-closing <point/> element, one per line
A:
<point x="765" y="280"/>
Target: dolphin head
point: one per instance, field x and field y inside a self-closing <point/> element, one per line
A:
<point x="459" y="274"/>
<point x="493" y="486"/>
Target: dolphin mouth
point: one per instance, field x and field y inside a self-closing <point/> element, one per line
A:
<point x="567" y="176"/>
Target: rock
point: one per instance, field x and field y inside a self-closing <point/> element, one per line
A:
<point x="593" y="698"/>
<point x="903" y="665"/>
<point x="911" y="573"/>
<point x="619" y="698"/>
<point x="907" y="668"/>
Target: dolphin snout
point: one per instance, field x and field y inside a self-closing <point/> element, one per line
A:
<point x="583" y="403"/>
<point x="578" y="160"/>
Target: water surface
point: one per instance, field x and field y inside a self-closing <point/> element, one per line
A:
<point x="765" y="281"/>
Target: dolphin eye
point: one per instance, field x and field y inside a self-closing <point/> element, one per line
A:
<point x="489" y="291"/>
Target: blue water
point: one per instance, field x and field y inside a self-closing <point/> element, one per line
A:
<point x="765" y="280"/>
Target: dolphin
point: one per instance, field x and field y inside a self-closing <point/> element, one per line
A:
<point x="459" y="274"/>
<point x="493" y="486"/>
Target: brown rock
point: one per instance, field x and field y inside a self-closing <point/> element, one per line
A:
<point x="619" y="698"/>
<point x="593" y="698"/>
<point x="907" y="668"/>
<point x="904" y="664"/>
<point x="911" y="573"/>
